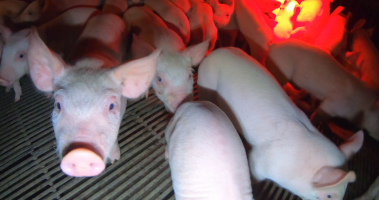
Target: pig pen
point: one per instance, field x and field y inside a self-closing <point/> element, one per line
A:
<point x="30" y="167"/>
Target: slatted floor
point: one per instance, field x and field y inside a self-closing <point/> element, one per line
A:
<point x="30" y="167"/>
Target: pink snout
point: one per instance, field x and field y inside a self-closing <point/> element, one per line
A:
<point x="82" y="162"/>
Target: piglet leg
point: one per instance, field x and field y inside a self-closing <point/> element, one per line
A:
<point x="17" y="90"/>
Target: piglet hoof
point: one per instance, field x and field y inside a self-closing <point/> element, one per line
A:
<point x="147" y="94"/>
<point x="17" y="98"/>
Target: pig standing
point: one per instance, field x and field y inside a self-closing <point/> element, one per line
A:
<point x="173" y="82"/>
<point x="254" y="27"/>
<point x="90" y="95"/>
<point x="369" y="56"/>
<point x="314" y="70"/>
<point x="372" y="193"/>
<point x="175" y="18"/>
<point x="15" y="64"/>
<point x="286" y="147"/>
<point x="333" y="39"/>
<point x="202" y="25"/>
<point x="206" y="155"/>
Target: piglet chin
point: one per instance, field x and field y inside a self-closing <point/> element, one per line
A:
<point x="82" y="162"/>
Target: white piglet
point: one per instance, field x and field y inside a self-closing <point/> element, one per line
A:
<point x="59" y="34"/>
<point x="206" y="155"/>
<point x="286" y="147"/>
<point x="173" y="81"/>
<point x="90" y="94"/>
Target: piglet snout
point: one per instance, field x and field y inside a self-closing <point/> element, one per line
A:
<point x="175" y="100"/>
<point x="82" y="162"/>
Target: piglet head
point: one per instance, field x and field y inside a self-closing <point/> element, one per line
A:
<point x="222" y="14"/>
<point x="330" y="183"/>
<point x="173" y="81"/>
<point x="14" y="63"/>
<point x="30" y="14"/>
<point x="89" y="104"/>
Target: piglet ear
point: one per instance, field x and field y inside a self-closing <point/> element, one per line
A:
<point x="358" y="25"/>
<point x="196" y="53"/>
<point x="5" y="32"/>
<point x="136" y="76"/>
<point x="328" y="177"/>
<point x="353" y="144"/>
<point x="44" y="64"/>
<point x="352" y="57"/>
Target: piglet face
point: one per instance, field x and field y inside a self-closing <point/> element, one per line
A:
<point x="14" y="62"/>
<point x="87" y="113"/>
<point x="173" y="82"/>
<point x="222" y="14"/>
<point x="331" y="193"/>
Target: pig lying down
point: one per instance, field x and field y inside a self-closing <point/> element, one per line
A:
<point x="286" y="147"/>
<point x="90" y="94"/>
<point x="59" y="34"/>
<point x="206" y="155"/>
<point x="173" y="82"/>
<point x="314" y="70"/>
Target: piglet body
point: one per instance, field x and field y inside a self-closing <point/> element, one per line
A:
<point x="342" y="94"/>
<point x="286" y="148"/>
<point x="90" y="92"/>
<point x="175" y="18"/>
<point x="254" y="27"/>
<point x="368" y="59"/>
<point x="206" y="155"/>
<point x="202" y="25"/>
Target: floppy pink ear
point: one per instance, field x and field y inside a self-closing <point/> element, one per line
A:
<point x="196" y="53"/>
<point x="135" y="76"/>
<point x="329" y="177"/>
<point x="44" y="65"/>
<point x="353" y="144"/>
<point x="5" y="32"/>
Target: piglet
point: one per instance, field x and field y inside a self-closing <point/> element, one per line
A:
<point x="333" y="39"/>
<point x="202" y="25"/>
<point x="314" y="70"/>
<point x="222" y="11"/>
<point x="173" y="81"/>
<point x="206" y="155"/>
<point x="173" y="16"/>
<point x="90" y="94"/>
<point x="254" y="27"/>
<point x="368" y="59"/>
<point x="372" y="193"/>
<point x="286" y="147"/>
<point x="59" y="34"/>
<point x="31" y="13"/>
<point x="184" y="5"/>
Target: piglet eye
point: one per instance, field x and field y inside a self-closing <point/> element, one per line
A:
<point x="160" y="79"/>
<point x="30" y="13"/>
<point x="58" y="105"/>
<point x="329" y="196"/>
<point x="111" y="106"/>
<point x="227" y="15"/>
<point x="190" y="76"/>
<point x="21" y="55"/>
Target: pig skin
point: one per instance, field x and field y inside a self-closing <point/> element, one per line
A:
<point x="286" y="147"/>
<point x="206" y="155"/>
<point x="314" y="70"/>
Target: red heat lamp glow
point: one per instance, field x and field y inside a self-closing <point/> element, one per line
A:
<point x="292" y="16"/>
